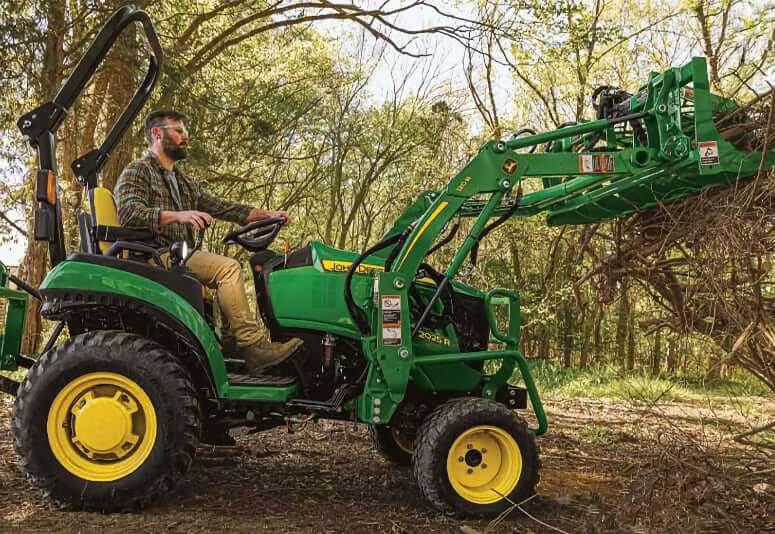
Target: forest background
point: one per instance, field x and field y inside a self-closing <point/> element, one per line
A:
<point x="343" y="113"/>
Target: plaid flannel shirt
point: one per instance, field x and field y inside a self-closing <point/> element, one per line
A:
<point x="143" y="192"/>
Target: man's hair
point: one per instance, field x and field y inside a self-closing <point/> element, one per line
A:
<point x="158" y="118"/>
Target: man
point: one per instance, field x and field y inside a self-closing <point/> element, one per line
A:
<point x="153" y="192"/>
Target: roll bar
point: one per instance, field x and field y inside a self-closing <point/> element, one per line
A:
<point x="40" y="124"/>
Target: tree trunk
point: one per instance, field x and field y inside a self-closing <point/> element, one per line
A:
<point x="33" y="265"/>
<point x="621" y="325"/>
<point x="122" y="68"/>
<point x="597" y="334"/>
<point x="567" y="335"/>
<point x="586" y="333"/>
<point x="543" y="343"/>
<point x="672" y="351"/>
<point x="714" y="369"/>
<point x="656" y="356"/>
<point x="631" y="343"/>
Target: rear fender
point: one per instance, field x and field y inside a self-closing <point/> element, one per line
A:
<point x="80" y="291"/>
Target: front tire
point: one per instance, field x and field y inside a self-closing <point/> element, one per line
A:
<point x="107" y="421"/>
<point x="475" y="457"/>
<point x="394" y="444"/>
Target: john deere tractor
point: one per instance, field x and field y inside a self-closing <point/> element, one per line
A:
<point x="110" y="418"/>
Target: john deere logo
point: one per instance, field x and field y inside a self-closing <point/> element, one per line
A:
<point x="509" y="166"/>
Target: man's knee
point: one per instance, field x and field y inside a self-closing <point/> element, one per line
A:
<point x="229" y="269"/>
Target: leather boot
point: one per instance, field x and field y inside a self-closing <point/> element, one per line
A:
<point x="262" y="355"/>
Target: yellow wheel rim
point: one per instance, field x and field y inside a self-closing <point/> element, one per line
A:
<point x="101" y="426"/>
<point x="484" y="464"/>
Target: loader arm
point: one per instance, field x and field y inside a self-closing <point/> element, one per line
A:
<point x="655" y="146"/>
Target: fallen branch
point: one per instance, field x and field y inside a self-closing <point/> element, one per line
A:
<point x="740" y="437"/>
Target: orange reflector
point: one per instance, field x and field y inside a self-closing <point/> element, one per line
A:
<point x="286" y="247"/>
<point x="51" y="191"/>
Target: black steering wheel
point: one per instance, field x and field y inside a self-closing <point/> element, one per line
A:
<point x="257" y="235"/>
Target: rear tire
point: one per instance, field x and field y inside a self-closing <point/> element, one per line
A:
<point x="107" y="421"/>
<point x="474" y="457"/>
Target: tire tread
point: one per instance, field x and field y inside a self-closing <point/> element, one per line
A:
<point x="176" y="381"/>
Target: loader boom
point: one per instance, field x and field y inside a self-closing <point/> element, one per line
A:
<point x="653" y="147"/>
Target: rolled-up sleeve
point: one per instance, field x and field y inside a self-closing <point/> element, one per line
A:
<point x="133" y="194"/>
<point x="220" y="207"/>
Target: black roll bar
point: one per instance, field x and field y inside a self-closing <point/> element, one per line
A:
<point x="40" y="124"/>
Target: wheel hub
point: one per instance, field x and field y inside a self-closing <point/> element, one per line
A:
<point x="484" y="464"/>
<point x="473" y="458"/>
<point x="103" y="425"/>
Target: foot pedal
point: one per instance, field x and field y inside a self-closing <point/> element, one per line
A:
<point x="331" y="406"/>
<point x="260" y="380"/>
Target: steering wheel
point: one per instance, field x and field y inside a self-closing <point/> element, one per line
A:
<point x="257" y="235"/>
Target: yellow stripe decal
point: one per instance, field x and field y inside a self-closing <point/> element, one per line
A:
<point x="424" y="227"/>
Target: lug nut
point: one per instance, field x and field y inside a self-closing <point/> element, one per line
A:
<point x="470" y="471"/>
<point x="469" y="446"/>
<point x="460" y="459"/>
<point x="484" y="466"/>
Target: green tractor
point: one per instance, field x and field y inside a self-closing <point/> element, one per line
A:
<point x="110" y="419"/>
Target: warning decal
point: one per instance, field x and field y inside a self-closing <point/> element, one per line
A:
<point x="708" y="152"/>
<point x="596" y="163"/>
<point x="391" y="319"/>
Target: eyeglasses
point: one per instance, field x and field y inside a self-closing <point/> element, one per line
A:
<point x="180" y="130"/>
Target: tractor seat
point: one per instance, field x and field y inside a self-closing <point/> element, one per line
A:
<point x="100" y="228"/>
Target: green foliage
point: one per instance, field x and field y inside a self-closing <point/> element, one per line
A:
<point x="597" y="434"/>
<point x="636" y="386"/>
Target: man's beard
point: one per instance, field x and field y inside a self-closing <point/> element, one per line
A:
<point x="173" y="151"/>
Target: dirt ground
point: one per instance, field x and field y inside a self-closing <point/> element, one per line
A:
<point x="607" y="467"/>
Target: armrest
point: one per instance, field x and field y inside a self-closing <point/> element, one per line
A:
<point x="119" y="233"/>
<point x="120" y="246"/>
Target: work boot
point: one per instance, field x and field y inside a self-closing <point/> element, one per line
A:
<point x="262" y="355"/>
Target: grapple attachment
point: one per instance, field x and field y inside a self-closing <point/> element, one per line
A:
<point x="671" y="139"/>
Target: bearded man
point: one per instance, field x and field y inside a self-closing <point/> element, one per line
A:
<point x="154" y="193"/>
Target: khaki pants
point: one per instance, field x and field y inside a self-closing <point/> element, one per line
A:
<point x="224" y="275"/>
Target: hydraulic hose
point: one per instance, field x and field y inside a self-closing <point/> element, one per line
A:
<point x="356" y="312"/>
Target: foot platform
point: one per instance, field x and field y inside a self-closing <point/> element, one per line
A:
<point x="261" y="380"/>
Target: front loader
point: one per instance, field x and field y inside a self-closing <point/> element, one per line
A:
<point x="110" y="418"/>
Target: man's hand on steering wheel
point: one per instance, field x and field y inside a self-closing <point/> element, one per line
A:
<point x="256" y="214"/>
